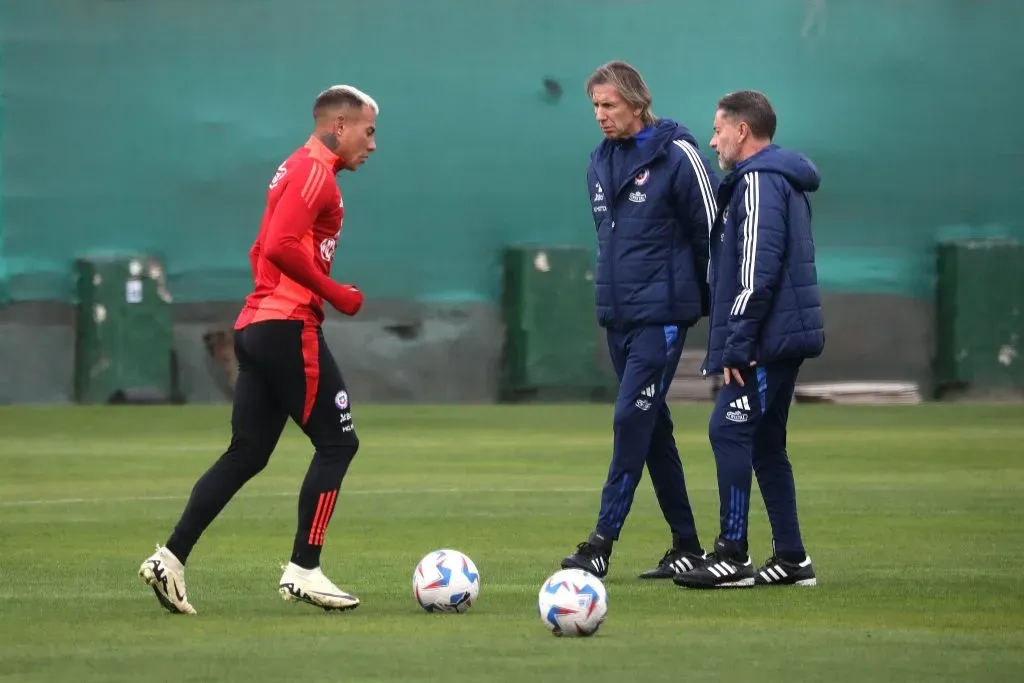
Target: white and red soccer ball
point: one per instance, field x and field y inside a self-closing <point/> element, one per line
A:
<point x="446" y="581"/>
<point x="572" y="603"/>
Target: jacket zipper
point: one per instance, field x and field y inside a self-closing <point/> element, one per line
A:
<point x="611" y="264"/>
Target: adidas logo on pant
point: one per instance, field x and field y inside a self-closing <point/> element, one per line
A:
<point x="742" y="408"/>
<point x="644" y="403"/>
<point x="741" y="403"/>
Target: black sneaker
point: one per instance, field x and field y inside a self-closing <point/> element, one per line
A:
<point x="674" y="562"/>
<point x="779" y="572"/>
<point x="728" y="567"/>
<point x="591" y="556"/>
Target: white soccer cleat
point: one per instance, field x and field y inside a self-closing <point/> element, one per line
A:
<point x="165" y="573"/>
<point x="311" y="586"/>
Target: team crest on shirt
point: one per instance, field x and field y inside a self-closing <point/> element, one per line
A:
<point x="341" y="399"/>
<point x="642" y="177"/>
<point x="327" y="248"/>
<point x="725" y="215"/>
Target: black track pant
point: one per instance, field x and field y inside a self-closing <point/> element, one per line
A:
<point x="284" y="370"/>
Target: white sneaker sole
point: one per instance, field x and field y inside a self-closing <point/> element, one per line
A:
<point x="807" y="583"/>
<point x="336" y="604"/>
<point x="739" y="583"/>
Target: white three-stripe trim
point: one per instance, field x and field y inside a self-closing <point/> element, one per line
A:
<point x="682" y="565"/>
<point x="701" y="173"/>
<point x="751" y="202"/>
<point x="721" y="569"/>
<point x="775" y="573"/>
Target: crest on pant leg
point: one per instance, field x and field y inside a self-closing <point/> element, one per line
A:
<point x="341" y="399"/>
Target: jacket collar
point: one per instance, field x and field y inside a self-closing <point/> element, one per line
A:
<point x="319" y="151"/>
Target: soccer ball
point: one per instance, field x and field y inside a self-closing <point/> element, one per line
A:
<point x="573" y="603"/>
<point x="446" y="581"/>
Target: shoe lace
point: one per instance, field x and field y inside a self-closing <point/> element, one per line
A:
<point x="668" y="558"/>
<point x="587" y="549"/>
<point x="789" y="565"/>
<point x="714" y="557"/>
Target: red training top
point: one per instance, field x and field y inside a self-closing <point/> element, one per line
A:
<point x="291" y="257"/>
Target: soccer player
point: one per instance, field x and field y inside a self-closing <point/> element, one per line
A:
<point x="652" y="195"/>
<point x="285" y="369"/>
<point x="765" y="320"/>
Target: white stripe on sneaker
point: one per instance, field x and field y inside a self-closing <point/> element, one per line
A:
<point x="725" y="569"/>
<point x="683" y="564"/>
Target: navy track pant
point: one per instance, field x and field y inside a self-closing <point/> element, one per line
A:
<point x="748" y="435"/>
<point x="645" y="360"/>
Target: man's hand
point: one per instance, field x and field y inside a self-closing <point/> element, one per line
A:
<point x="348" y="299"/>
<point x="736" y="373"/>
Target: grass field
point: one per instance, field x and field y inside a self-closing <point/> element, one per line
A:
<point x="913" y="516"/>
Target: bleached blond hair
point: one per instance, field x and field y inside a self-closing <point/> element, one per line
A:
<point x="338" y="95"/>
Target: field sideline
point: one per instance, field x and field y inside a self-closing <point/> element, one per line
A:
<point x="912" y="514"/>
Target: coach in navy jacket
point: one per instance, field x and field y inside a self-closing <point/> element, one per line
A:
<point x="765" y="321"/>
<point x="652" y="196"/>
<point x="652" y="213"/>
<point x="766" y="305"/>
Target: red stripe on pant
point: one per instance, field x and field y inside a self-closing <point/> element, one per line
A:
<point x="311" y="363"/>
<point x="324" y="510"/>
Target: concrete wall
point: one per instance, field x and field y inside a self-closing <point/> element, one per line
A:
<point x="395" y="352"/>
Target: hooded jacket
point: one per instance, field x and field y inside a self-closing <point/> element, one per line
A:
<point x="765" y="303"/>
<point x="653" y="201"/>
